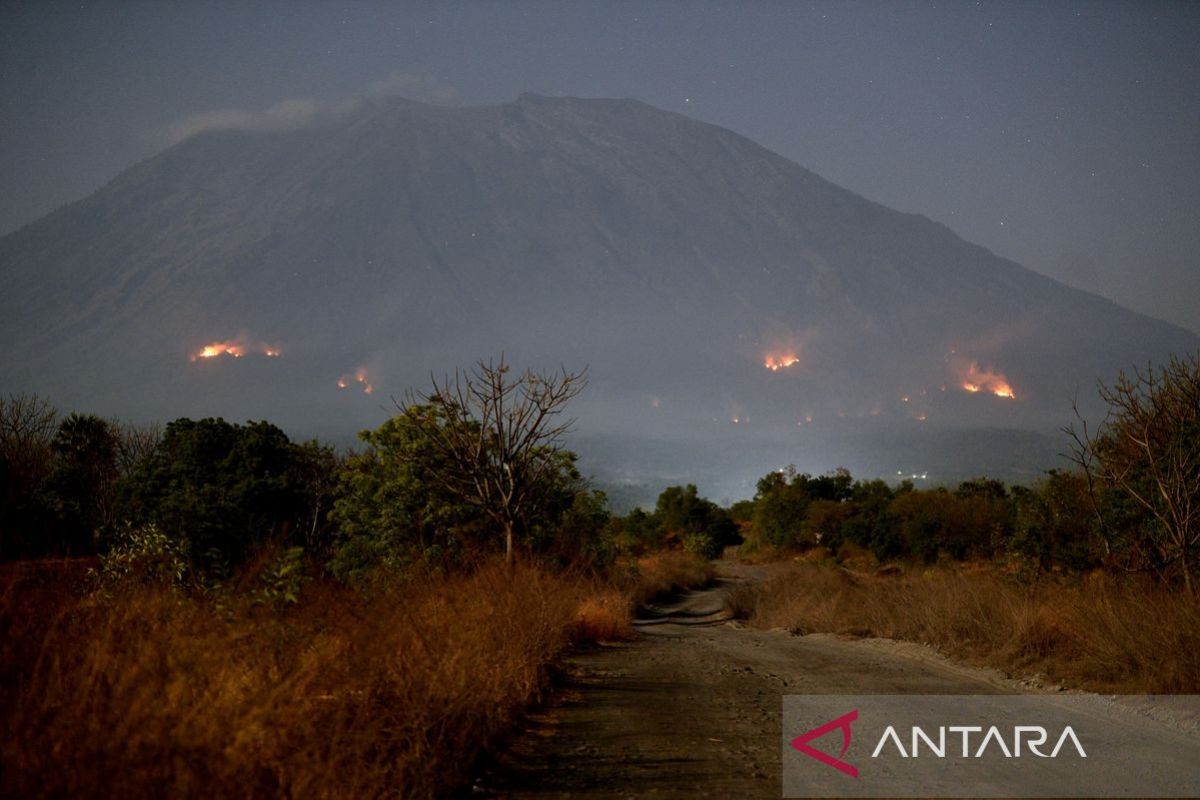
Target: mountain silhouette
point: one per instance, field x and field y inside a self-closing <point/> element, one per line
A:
<point x="676" y="259"/>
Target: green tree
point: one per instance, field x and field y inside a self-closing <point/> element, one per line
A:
<point x="581" y="535"/>
<point x="218" y="487"/>
<point x="780" y="506"/>
<point x="703" y="526"/>
<point x="928" y="524"/>
<point x="782" y="499"/>
<point x="869" y="526"/>
<point x="79" y="487"/>
<point x="985" y="514"/>
<point x="1054" y="523"/>
<point x="638" y="532"/>
<point x="389" y="508"/>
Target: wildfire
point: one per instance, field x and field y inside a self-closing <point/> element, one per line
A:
<point x="220" y="349"/>
<point x="977" y="379"/>
<point x="235" y="348"/>
<point x="360" y="377"/>
<point x="778" y="362"/>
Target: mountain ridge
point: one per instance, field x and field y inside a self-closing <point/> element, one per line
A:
<point x="675" y="256"/>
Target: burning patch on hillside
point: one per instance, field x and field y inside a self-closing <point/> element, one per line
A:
<point x="359" y="378"/>
<point x="976" y="379"/>
<point x="235" y="348"/>
<point x="778" y="361"/>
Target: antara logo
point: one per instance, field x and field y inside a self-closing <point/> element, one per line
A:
<point x="1034" y="737"/>
<point x="844" y="721"/>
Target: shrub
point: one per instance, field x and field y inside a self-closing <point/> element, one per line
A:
<point x="145" y="554"/>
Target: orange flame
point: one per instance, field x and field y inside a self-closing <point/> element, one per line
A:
<point x="235" y="348"/>
<point x="776" y="362"/>
<point x="361" y="377"/>
<point x="977" y="379"/>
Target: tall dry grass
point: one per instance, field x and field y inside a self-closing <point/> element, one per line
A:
<point x="606" y="613"/>
<point x="1097" y="632"/>
<point x="145" y="692"/>
<point x="669" y="571"/>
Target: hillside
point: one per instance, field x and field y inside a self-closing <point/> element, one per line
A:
<point x="678" y="259"/>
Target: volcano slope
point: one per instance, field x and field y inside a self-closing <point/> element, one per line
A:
<point x="714" y="287"/>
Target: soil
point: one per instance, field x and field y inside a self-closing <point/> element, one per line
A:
<point x="692" y="707"/>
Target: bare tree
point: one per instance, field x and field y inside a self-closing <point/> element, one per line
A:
<point x="135" y="443"/>
<point x="501" y="438"/>
<point x="27" y="426"/>
<point x="1148" y="446"/>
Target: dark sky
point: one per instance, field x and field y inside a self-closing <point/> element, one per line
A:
<point x="1063" y="135"/>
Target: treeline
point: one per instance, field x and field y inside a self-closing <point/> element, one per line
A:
<point x="1052" y="524"/>
<point x="476" y="466"/>
<point x="199" y="498"/>
<point x="1132" y="503"/>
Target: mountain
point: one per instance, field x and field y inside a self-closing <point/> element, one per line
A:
<point x="677" y="259"/>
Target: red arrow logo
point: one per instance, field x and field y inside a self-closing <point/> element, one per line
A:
<point x="801" y="743"/>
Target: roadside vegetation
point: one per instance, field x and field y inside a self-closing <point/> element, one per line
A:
<point x="1095" y="631"/>
<point x="1086" y="577"/>
<point x="211" y="609"/>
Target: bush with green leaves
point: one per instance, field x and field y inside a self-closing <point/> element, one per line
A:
<point x="683" y="512"/>
<point x="284" y="577"/>
<point x="701" y="544"/>
<point x="637" y="532"/>
<point x="221" y="488"/>
<point x="145" y="553"/>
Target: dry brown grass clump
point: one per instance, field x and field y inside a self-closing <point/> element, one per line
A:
<point x="670" y="571"/>
<point x="149" y="692"/>
<point x="1098" y="632"/>
<point x="605" y="615"/>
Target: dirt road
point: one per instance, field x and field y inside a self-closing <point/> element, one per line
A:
<point x="692" y="708"/>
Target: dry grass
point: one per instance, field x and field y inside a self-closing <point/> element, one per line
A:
<point x="150" y="693"/>
<point x="605" y="615"/>
<point x="669" y="571"/>
<point x="1096" y="633"/>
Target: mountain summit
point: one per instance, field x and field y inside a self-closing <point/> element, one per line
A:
<point x="707" y="281"/>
